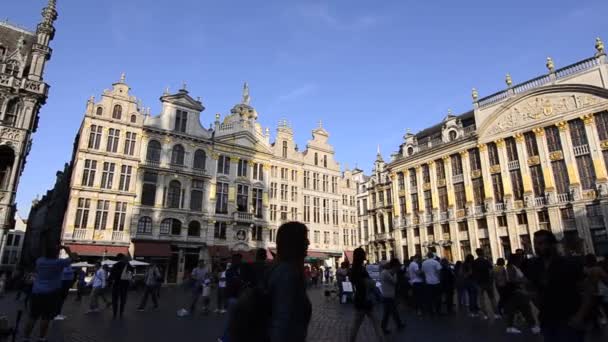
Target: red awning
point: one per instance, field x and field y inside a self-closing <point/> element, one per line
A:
<point x="98" y="250"/>
<point x="348" y="255"/>
<point x="219" y="251"/>
<point x="151" y="249"/>
<point x="317" y="255"/>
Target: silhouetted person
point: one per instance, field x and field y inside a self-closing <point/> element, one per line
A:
<point x="388" y="278"/>
<point x="120" y="277"/>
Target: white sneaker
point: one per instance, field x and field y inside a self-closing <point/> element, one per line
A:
<point x="59" y="318"/>
<point x="513" y="330"/>
<point x="535" y="330"/>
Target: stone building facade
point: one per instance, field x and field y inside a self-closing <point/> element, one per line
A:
<point x="23" y="56"/>
<point x="166" y="189"/>
<point x="530" y="157"/>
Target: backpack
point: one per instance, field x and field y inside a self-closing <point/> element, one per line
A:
<point x="251" y="313"/>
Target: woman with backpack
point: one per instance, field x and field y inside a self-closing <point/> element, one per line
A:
<point x="365" y="288"/>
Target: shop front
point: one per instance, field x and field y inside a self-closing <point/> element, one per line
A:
<point x="93" y="253"/>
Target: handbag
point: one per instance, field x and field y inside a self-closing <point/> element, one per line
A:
<point x="126" y="274"/>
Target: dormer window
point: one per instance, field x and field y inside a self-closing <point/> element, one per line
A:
<point x="316" y="159"/>
<point x="133" y="118"/>
<point x="12" y="68"/>
<point x="117" y="112"/>
<point x="181" y="120"/>
<point x="325" y="161"/>
<point x="452" y="135"/>
<point x="99" y="110"/>
<point x="410" y="151"/>
<point x="284" y="149"/>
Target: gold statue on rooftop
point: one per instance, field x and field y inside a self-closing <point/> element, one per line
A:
<point x="599" y="46"/>
<point x="508" y="80"/>
<point x="550" y="65"/>
<point x="474" y="94"/>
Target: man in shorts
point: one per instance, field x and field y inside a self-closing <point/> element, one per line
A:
<point x="46" y="291"/>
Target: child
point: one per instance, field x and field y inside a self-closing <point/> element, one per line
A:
<point x="206" y="294"/>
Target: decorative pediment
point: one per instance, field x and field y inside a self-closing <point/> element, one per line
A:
<point x="184" y="100"/>
<point x="548" y="103"/>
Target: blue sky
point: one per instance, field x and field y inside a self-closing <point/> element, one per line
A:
<point x="368" y="69"/>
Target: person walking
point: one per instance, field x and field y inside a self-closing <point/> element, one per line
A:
<point x="46" y="290"/>
<point x="431" y="269"/>
<point x="67" y="281"/>
<point x="98" y="284"/>
<point x="461" y="290"/>
<point x="447" y="280"/>
<point x="80" y="283"/>
<point x="151" y="282"/>
<point x="499" y="274"/>
<point x="469" y="285"/>
<point x="417" y="283"/>
<point x="516" y="299"/>
<point x="482" y="277"/>
<point x="121" y="276"/>
<point x="197" y="277"/>
<point x="221" y="291"/>
<point x="559" y="290"/>
<point x="388" y="278"/>
<point x="364" y="292"/>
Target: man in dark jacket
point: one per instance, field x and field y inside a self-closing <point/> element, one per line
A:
<point x="120" y="277"/>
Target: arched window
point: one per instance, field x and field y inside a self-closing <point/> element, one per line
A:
<point x="316" y="158"/>
<point x="453" y="135"/>
<point x="2" y="50"/>
<point x="117" y="112"/>
<point x="284" y="149"/>
<point x="200" y="158"/>
<point x="153" y="153"/>
<point x="381" y="220"/>
<point x="174" y="194"/>
<point x="194" y="228"/>
<point x="133" y="118"/>
<point x="325" y="161"/>
<point x="176" y="227"/>
<point x="12" y="68"/>
<point x="7" y="159"/>
<point x="99" y="110"/>
<point x="144" y="225"/>
<point x="410" y="151"/>
<point x="177" y="155"/>
<point x="12" y="110"/>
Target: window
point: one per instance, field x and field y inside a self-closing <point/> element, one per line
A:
<point x="428" y="202"/>
<point x="196" y="195"/>
<point x="601" y="122"/>
<point x="315" y="181"/>
<point x="125" y="178"/>
<point x="560" y="173"/>
<point x="273" y="190"/>
<point x="153" y="152"/>
<point x="553" y="140"/>
<point x="107" y="176"/>
<point x="402" y="205"/>
<point x="531" y="145"/>
<point x="221" y="204"/>
<point x="502" y="221"/>
<point x="586" y="171"/>
<point x="522" y="219"/>
<point x="12" y="68"/>
<point x="516" y="182"/>
<point x="426" y="175"/>
<point x="82" y="213"/>
<point x="306" y="179"/>
<point x="88" y="172"/>
<point x="493" y="154"/>
<point x="174" y="194"/>
<point x="452" y="135"/>
<point x="242" y="198"/>
<point x="478" y="191"/>
<point x="133" y="118"/>
<point x="273" y="171"/>
<point x="336" y="238"/>
<point x="148" y="191"/>
<point x="463" y="226"/>
<point x="294" y="193"/>
<point x="316" y="158"/>
<point x="256" y="233"/>
<point x="325" y="186"/>
<point x="130" y="143"/>
<point x="325" y="211"/>
<point x="413" y="181"/>
<point x="324" y="161"/>
<point x="181" y="120"/>
<point x="242" y="168"/>
<point x="474" y="159"/>
<point x="99" y="110"/>
<point x="294" y="175"/>
<point x="257" y="202"/>
<point x="113" y="138"/>
<point x="120" y="212"/>
<point x="538" y="183"/>
<point x="456" y="165"/>
<point x="335" y="217"/>
<point x="177" y="155"/>
<point x="316" y="210"/>
<point x="176" y="227"/>
<point x="117" y="112"/>
<point x="326" y="238"/>
<point x="284" y="192"/>
<point x="415" y="204"/>
<point x="439" y="169"/>
<point x="294" y="214"/>
<point x="334" y="184"/>
<point x="95" y="137"/>
<point x="543" y="216"/>
<point x="223" y="165"/>
<point x="443" y="199"/>
<point x="165" y="226"/>
<point x="258" y="171"/>
<point x="284" y="149"/>
<point x="283" y="213"/>
<point x="144" y="225"/>
<point x="460" y="195"/>
<point x="273" y="212"/>
<point x="200" y="160"/>
<point x="12" y="110"/>
<point x="401" y="181"/>
<point x="511" y="146"/>
<point x="577" y="133"/>
<point x="194" y="229"/>
<point x="101" y="215"/>
<point x="306" y="208"/>
<point x="498" y="188"/>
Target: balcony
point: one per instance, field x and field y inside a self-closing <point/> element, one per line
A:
<point x="381" y="236"/>
<point x="463" y="235"/>
<point x="522" y="229"/>
<point x="152" y="163"/>
<point x="82" y="234"/>
<point x="446" y="236"/>
<point x="539" y="201"/>
<point x="569" y="224"/>
<point x="499" y="207"/>
<point x="563" y="198"/>
<point x="460" y="213"/>
<point x="443" y="216"/>
<point x="581" y="150"/>
<point x="428" y="218"/>
<point x="119" y="236"/>
<point x="177" y="167"/>
<point x="544" y="226"/>
<point x="480" y="209"/>
<point x="457" y="179"/>
<point x="513" y="165"/>
<point x="243" y="216"/>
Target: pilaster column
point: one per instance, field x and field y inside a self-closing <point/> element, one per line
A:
<point x="466" y="174"/>
<point x="504" y="171"/>
<point x="485" y="173"/>
<point x="545" y="160"/>
<point x="456" y="252"/>
<point x="434" y="192"/>
<point x="160" y="190"/>
<point x="568" y="152"/>
<point x="447" y="164"/>
<point x="408" y="193"/>
<point x="421" y="207"/>
<point x="595" y="148"/>
<point x="522" y="156"/>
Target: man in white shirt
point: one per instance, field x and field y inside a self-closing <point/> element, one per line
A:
<point x="98" y="284"/>
<point x="413" y="273"/>
<point x="431" y="269"/>
<point x="197" y="277"/>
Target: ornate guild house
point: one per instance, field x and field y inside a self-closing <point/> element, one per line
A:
<point x="166" y="189"/>
<point x="23" y="57"/>
<point x="532" y="156"/>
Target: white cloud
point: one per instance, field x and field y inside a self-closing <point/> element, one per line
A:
<point x="321" y="13"/>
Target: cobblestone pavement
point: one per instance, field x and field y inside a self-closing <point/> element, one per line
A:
<point x="330" y="322"/>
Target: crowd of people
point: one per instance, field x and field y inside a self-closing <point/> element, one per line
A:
<point x="550" y="293"/>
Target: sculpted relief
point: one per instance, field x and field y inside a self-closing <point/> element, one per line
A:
<point x="539" y="108"/>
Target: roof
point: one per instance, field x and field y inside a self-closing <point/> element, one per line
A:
<point x="467" y="119"/>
